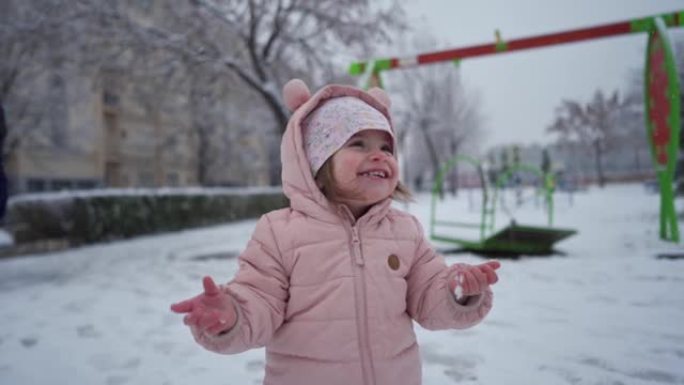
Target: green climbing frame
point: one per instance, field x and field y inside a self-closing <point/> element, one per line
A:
<point x="512" y="240"/>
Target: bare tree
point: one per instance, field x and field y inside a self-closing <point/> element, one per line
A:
<point x="594" y="124"/>
<point x="435" y="108"/>
<point x="217" y="44"/>
<point x="632" y="133"/>
<point x="259" y="42"/>
<point x="32" y="39"/>
<point x="262" y="42"/>
<point x="43" y="43"/>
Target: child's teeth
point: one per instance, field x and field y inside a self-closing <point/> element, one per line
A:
<point x="380" y="174"/>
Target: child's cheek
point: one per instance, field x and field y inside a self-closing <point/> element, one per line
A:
<point x="347" y="166"/>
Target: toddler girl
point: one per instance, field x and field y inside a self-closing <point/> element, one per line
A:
<point x="332" y="284"/>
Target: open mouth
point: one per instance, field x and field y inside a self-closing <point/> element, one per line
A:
<point x="375" y="174"/>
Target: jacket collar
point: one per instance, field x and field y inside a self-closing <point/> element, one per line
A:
<point x="374" y="214"/>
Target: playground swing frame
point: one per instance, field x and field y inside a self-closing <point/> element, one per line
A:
<point x="547" y="186"/>
<point x="663" y="132"/>
<point x="514" y="239"/>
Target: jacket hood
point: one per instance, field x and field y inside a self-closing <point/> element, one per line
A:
<point x="298" y="182"/>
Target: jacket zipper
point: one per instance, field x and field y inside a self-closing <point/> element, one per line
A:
<point x="361" y="319"/>
<point x="367" y="369"/>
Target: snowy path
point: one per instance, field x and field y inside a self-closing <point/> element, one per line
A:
<point x="608" y="312"/>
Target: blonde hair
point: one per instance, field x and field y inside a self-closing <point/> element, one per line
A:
<point x="328" y="185"/>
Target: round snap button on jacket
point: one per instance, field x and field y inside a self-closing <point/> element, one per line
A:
<point x="393" y="262"/>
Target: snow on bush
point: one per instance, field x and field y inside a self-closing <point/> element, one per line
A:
<point x="101" y="215"/>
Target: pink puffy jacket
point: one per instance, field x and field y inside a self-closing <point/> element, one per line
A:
<point x="324" y="293"/>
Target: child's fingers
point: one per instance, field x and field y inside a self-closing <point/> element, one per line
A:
<point x="470" y="284"/>
<point x="190" y="319"/>
<point x="492" y="264"/>
<point x="210" y="287"/>
<point x="182" y="307"/>
<point x="481" y="279"/>
<point x="489" y="272"/>
<point x="489" y="269"/>
<point x="492" y="277"/>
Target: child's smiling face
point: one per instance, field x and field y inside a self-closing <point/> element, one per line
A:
<point x="364" y="170"/>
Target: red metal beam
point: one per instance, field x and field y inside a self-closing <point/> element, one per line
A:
<point x="607" y="30"/>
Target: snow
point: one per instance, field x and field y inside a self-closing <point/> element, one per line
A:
<point x="607" y="311"/>
<point x="458" y="289"/>
<point x="5" y="238"/>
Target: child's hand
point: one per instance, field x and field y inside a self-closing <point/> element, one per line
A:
<point x="466" y="280"/>
<point x="212" y="311"/>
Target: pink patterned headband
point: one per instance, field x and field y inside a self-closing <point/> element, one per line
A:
<point x="329" y="127"/>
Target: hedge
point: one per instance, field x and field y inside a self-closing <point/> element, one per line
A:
<point x="95" y="216"/>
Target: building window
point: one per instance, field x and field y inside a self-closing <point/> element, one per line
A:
<point x="172" y="179"/>
<point x="42" y="185"/>
<point x="61" y="184"/>
<point x="36" y="185"/>
<point x="86" y="184"/>
<point x="145" y="179"/>
<point x="110" y="99"/>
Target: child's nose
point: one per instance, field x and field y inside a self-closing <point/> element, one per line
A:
<point x="378" y="155"/>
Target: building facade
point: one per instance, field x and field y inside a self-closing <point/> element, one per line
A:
<point x="81" y="123"/>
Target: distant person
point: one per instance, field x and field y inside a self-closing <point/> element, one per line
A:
<point x="331" y="285"/>
<point x="3" y="178"/>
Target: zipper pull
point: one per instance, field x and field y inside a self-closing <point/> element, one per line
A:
<point x="358" y="258"/>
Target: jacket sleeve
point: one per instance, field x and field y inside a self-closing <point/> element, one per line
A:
<point x="259" y="292"/>
<point x="429" y="300"/>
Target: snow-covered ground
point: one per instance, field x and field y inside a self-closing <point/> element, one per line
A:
<point x="606" y="312"/>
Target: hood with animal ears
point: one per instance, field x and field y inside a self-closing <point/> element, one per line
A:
<point x="298" y="181"/>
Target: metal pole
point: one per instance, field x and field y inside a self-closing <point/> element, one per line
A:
<point x="645" y="24"/>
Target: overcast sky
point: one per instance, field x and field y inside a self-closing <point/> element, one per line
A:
<point x="520" y="90"/>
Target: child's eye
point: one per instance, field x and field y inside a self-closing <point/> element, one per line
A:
<point x="387" y="148"/>
<point x="356" y="143"/>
